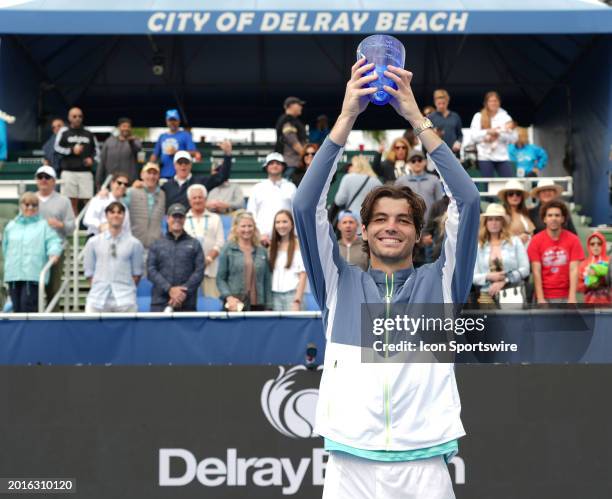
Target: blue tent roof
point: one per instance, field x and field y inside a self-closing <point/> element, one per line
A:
<point x="305" y="17"/>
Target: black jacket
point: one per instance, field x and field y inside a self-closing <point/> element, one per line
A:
<point x="175" y="262"/>
<point x="66" y="139"/>
<point x="176" y="193"/>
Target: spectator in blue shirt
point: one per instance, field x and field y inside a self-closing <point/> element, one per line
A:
<point x="168" y="143"/>
<point x="529" y="159"/>
<point x="446" y="121"/>
<point x="114" y="264"/>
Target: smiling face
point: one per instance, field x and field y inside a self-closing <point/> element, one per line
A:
<point x="282" y="225"/>
<point x="183" y="168"/>
<point x="391" y="233"/>
<point x="119" y="186"/>
<point x="29" y="207"/>
<point x="150" y="177"/>
<point x="197" y="201"/>
<point x="245" y="229"/>
<point x="115" y="218"/>
<point x="493" y="104"/>
<point x="274" y="168"/>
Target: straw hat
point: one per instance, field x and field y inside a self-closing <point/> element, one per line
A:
<point x="512" y="185"/>
<point x="495" y="210"/>
<point x="546" y="183"/>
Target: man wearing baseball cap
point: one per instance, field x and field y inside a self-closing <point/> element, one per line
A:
<point x="176" y="187"/>
<point x="56" y="209"/>
<point x="168" y="143"/>
<point x="175" y="266"/>
<point x="147" y="206"/>
<point x="270" y="196"/>
<point x="291" y="133"/>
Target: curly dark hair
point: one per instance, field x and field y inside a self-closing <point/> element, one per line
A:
<point x="555" y="203"/>
<point x="416" y="203"/>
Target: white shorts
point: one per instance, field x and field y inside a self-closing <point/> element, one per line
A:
<point x="77" y="185"/>
<point x="351" y="477"/>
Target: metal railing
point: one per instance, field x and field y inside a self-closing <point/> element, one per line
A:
<point x="13" y="189"/>
<point x="495" y="184"/>
<point x="42" y="295"/>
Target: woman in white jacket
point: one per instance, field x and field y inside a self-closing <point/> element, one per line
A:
<point x="492" y="131"/>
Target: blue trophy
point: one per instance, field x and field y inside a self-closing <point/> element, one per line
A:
<point x="382" y="50"/>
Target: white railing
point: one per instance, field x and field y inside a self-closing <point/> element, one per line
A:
<point x="495" y="184"/>
<point x="13" y="189"/>
<point x="42" y="295"/>
<point x="255" y="315"/>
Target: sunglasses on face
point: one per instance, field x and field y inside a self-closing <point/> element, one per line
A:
<point x="43" y="176"/>
<point x="309" y="154"/>
<point x="399" y="147"/>
<point x="30" y="205"/>
<point x="121" y="183"/>
<point x="514" y="193"/>
<point x="177" y="216"/>
<point x="416" y="160"/>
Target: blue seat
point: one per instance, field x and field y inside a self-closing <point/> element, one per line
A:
<point x="227" y="224"/>
<point x="144" y="288"/>
<point x="311" y="303"/>
<point x="209" y="304"/>
<point x="144" y="303"/>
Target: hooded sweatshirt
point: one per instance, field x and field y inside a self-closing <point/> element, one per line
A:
<point x="594" y="276"/>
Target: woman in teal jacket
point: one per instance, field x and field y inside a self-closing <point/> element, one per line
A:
<point x="28" y="242"/>
<point x="243" y="278"/>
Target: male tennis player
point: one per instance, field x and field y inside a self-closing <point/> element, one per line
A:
<point x="388" y="427"/>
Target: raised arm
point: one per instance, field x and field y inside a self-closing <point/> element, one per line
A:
<point x="456" y="262"/>
<point x="318" y="243"/>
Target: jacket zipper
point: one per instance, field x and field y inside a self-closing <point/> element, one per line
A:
<point x="386" y="387"/>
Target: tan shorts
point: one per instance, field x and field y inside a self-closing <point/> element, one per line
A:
<point x="77" y="185"/>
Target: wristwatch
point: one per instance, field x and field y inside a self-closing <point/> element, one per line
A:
<point x="424" y="125"/>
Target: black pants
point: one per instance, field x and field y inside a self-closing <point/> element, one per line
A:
<point x="24" y="295"/>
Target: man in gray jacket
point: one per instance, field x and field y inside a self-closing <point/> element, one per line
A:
<point x="119" y="154"/>
<point x="57" y="210"/>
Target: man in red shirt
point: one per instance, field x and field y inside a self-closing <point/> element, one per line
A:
<point x="555" y="254"/>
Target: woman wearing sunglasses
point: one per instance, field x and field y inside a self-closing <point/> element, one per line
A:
<point x="395" y="165"/>
<point x="309" y="152"/>
<point x="514" y="196"/>
<point x="27" y="244"/>
<point x="594" y="273"/>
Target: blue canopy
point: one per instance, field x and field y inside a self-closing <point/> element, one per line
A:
<point x="305" y="17"/>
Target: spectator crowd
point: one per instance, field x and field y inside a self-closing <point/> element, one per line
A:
<point x="164" y="224"/>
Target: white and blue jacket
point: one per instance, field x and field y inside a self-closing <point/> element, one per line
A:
<point x="384" y="406"/>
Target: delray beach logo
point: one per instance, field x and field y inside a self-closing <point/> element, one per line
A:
<point x="290" y="410"/>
